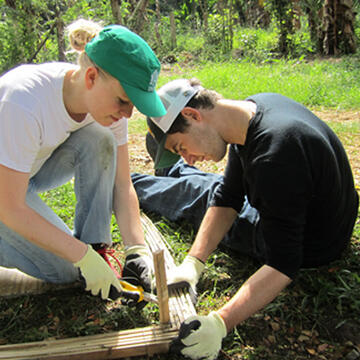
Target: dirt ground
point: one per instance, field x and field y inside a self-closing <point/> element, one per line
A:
<point x="141" y="162"/>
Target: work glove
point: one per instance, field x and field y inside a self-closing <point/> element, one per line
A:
<point x="138" y="270"/>
<point x="200" y="337"/>
<point x="189" y="271"/>
<point x="97" y="274"/>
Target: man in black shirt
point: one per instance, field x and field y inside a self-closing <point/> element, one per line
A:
<point x="285" y="167"/>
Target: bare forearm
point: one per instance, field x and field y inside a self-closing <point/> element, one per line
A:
<point x="259" y="290"/>
<point x="126" y="203"/>
<point x="42" y="233"/>
<point x="127" y="213"/>
<point x="18" y="216"/>
<point x="216" y="223"/>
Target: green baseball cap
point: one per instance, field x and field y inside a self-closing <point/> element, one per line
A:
<point x="127" y="57"/>
<point x="162" y="158"/>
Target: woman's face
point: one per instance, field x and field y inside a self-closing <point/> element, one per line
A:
<point x="107" y="101"/>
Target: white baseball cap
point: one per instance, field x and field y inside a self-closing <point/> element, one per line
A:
<point x="174" y="95"/>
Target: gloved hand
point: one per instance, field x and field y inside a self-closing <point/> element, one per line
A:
<point x="200" y="337"/>
<point x="97" y="274"/>
<point x="189" y="271"/>
<point x="138" y="270"/>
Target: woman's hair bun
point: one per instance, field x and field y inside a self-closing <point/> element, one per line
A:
<point x="80" y="32"/>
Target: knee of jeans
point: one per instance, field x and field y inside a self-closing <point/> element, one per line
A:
<point x="107" y="149"/>
<point x="99" y="145"/>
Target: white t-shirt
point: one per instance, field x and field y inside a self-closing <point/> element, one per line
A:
<point x="33" y="117"/>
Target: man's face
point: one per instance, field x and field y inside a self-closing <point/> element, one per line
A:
<point x="200" y="142"/>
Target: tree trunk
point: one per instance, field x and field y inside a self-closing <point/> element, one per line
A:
<point x="338" y="27"/>
<point x="282" y="9"/>
<point x="138" y="17"/>
<point x="231" y="32"/>
<point x="60" y="38"/>
<point x="314" y="21"/>
<point x="11" y="3"/>
<point x="158" y="13"/>
<point x="205" y="13"/>
<point x="115" y="9"/>
<point x="173" y="31"/>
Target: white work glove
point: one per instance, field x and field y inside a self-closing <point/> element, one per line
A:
<point x="189" y="271"/>
<point x="200" y="337"/>
<point x="97" y="274"/>
<point x="138" y="269"/>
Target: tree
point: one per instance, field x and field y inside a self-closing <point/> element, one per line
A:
<point x="282" y="10"/>
<point x="338" y="34"/>
<point x="312" y="8"/>
<point x="115" y="8"/>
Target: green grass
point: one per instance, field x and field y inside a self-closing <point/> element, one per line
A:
<point x="316" y="317"/>
<point x="320" y="83"/>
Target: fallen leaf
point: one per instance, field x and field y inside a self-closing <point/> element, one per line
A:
<point x="275" y="326"/>
<point x="303" y="338"/>
<point x="311" y="351"/>
<point x="322" y="347"/>
<point x="307" y="333"/>
<point x="272" y="339"/>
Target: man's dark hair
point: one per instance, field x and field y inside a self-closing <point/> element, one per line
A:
<point x="205" y="99"/>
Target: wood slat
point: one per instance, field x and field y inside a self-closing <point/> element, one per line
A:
<point x="115" y="345"/>
<point x="161" y="286"/>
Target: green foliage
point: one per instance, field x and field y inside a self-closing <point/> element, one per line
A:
<point x="25" y="27"/>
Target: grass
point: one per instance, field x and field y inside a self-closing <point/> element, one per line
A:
<point x="319" y="83"/>
<point x="316" y="317"/>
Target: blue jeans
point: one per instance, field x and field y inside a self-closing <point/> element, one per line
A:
<point x="184" y="193"/>
<point x="88" y="155"/>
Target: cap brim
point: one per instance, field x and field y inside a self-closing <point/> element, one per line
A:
<point x="165" y="158"/>
<point x="148" y="103"/>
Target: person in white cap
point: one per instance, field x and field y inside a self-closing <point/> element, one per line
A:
<point x="59" y="121"/>
<point x="288" y="189"/>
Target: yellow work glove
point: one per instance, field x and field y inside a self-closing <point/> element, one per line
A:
<point x="97" y="274"/>
<point x="200" y="337"/>
<point x="189" y="271"/>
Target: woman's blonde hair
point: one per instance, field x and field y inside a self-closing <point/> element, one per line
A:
<point x="80" y="32"/>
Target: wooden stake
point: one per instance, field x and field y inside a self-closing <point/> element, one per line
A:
<point x="161" y="286"/>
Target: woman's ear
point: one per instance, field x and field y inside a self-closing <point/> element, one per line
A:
<point x="190" y="113"/>
<point x="91" y="74"/>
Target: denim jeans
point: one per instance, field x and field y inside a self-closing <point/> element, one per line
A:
<point x="88" y="155"/>
<point x="183" y="193"/>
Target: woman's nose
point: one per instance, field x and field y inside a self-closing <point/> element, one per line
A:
<point x="127" y="110"/>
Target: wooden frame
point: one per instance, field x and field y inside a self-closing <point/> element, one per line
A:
<point x="127" y="343"/>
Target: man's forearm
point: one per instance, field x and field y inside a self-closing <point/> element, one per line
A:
<point x="216" y="223"/>
<point x="259" y="290"/>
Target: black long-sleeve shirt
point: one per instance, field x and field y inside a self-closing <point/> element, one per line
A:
<point x="295" y="172"/>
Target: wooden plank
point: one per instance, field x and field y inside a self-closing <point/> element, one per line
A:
<point x="146" y="341"/>
<point x="115" y="345"/>
<point x="180" y="304"/>
<point x="161" y="286"/>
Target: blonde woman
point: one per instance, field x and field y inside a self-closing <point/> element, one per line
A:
<point x="59" y="121"/>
